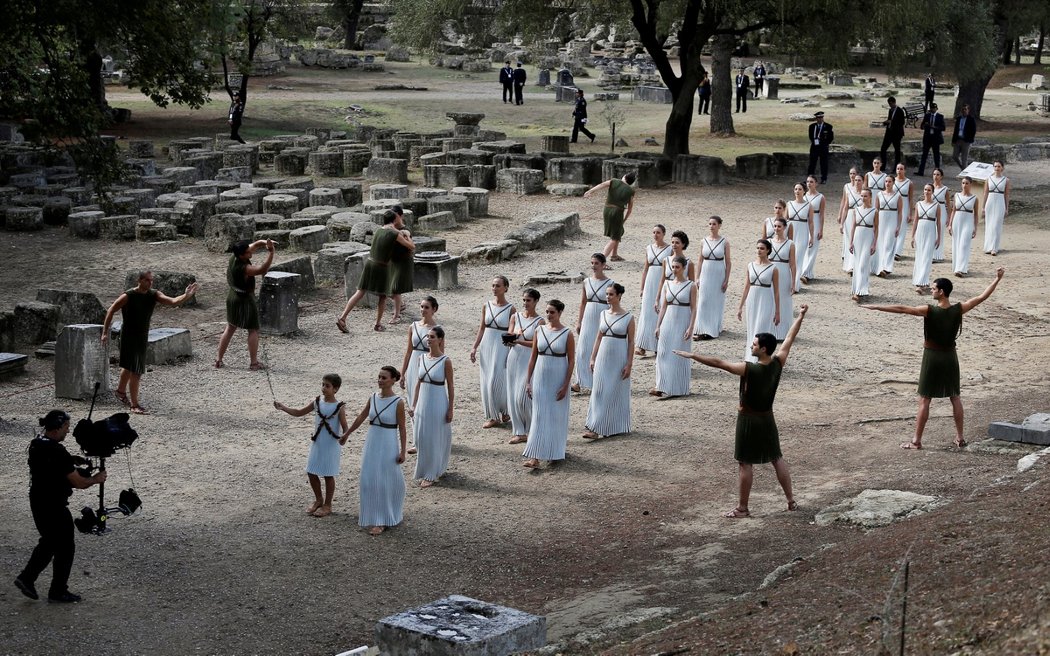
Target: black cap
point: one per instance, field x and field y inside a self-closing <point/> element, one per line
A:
<point x="819" y="115"/>
<point x="239" y="248"/>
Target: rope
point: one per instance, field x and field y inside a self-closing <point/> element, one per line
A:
<point x="266" y="365"/>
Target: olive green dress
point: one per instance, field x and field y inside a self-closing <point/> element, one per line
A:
<point x="757" y="439"/>
<point x="402" y="270"/>
<point x="377" y="276"/>
<point x="939" y="376"/>
<point x="616" y="201"/>
<point x="134" y="331"/>
<point x="241" y="309"/>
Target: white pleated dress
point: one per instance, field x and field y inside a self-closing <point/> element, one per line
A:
<point x="420" y="345"/>
<point x="492" y="361"/>
<point x="940" y="194"/>
<point x="549" y="431"/>
<point x="325" y="448"/>
<point x="798" y="219"/>
<point x="875" y="182"/>
<point x="962" y="229"/>
<point x="809" y="260"/>
<point x="595" y="291"/>
<point x="863" y="239"/>
<point x="672" y="372"/>
<point x="887" y="246"/>
<point x="710" y="297"/>
<point x="382" y="488"/>
<point x="517" y="375"/>
<point x="780" y="256"/>
<point x="645" y="337"/>
<point x="995" y="213"/>
<point x="903" y="189"/>
<point x="433" y="434"/>
<point x="609" y="412"/>
<point x="760" y="305"/>
<point x="852" y="201"/>
<point x="925" y="236"/>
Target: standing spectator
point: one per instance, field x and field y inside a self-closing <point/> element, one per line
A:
<point x="927" y="92"/>
<point x="743" y="85"/>
<point x="894" y="131"/>
<point x="932" y="137"/>
<point x="705" y="95"/>
<point x="962" y="136"/>
<point x="579" y="118"/>
<point x="236" y="115"/>
<point x="506" y="78"/>
<point x="821" y="135"/>
<point x="760" y="77"/>
<point x="519" y="85"/>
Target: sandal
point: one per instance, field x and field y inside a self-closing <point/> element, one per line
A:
<point x="258" y="366"/>
<point x="139" y="410"/>
<point x="737" y="513"/>
<point x="911" y="446"/>
<point x="960" y="443"/>
<point x="792" y="505"/>
<point x="122" y="397"/>
<point x="341" y="325"/>
<point x="616" y="258"/>
<point x="518" y="439"/>
<point x="379" y="327"/>
<point x="219" y="364"/>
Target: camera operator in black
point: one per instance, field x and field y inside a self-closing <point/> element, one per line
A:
<point x="52" y="478"/>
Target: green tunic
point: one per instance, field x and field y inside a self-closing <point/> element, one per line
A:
<point x="134" y="330"/>
<point x="402" y="270"/>
<point x="620" y="194"/>
<point x="241" y="308"/>
<point x="939" y="376"/>
<point x="377" y="276"/>
<point x="757" y="439"/>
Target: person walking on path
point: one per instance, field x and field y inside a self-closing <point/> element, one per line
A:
<point x="490" y="354"/>
<point x="995" y="207"/>
<point x="136" y="309"/>
<point x="611" y="359"/>
<point x="326" y="442"/>
<point x="894" y="131"/>
<point x="932" y="138"/>
<point x="432" y="409"/>
<point x="377" y="275"/>
<point x="547" y="383"/>
<point x="757" y="437"/>
<point x="236" y="116"/>
<point x="519" y="85"/>
<point x="743" y="85"/>
<point x="939" y="373"/>
<point x="53" y="475"/>
<point x="506" y="79"/>
<point x="579" y="118"/>
<point x="821" y="136"/>
<point x="242" y="311"/>
<point x="656" y="254"/>
<point x="619" y="203"/>
<point x="523" y="327"/>
<point x="963" y="135"/>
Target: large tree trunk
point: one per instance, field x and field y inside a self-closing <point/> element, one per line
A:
<point x="676" y="130"/>
<point x="1008" y="51"/>
<point x="722" y="84"/>
<point x="1039" y="46"/>
<point x="350" y="21"/>
<point x="972" y="94"/>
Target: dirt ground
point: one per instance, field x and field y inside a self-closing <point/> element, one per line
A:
<point x="622" y="539"/>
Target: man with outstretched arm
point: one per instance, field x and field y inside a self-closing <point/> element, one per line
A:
<point x="757" y="439"/>
<point x="939" y="375"/>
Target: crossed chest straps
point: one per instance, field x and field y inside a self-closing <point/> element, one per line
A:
<point x="814" y="202"/>
<point x="376" y="418"/>
<point x="594" y="294"/>
<point x="781" y="253"/>
<point x="891" y="203"/>
<point x="609" y="328"/>
<point x="419" y="339"/>
<point x="865" y="217"/>
<point x="941" y="195"/>
<point x="674" y="296"/>
<point x="547" y="348"/>
<point x="493" y="320"/>
<point x="854" y="197"/>
<point x="657" y="259"/>
<point x="426" y="374"/>
<point x="997" y="187"/>
<point x="755" y="276"/>
<point x="927" y="212"/>
<point x="708" y="251"/>
<point x="799" y="214"/>
<point x="325" y="419"/>
<point x="875" y="181"/>
<point x="526" y="328"/>
<point x="902" y="187"/>
<point x="965" y="204"/>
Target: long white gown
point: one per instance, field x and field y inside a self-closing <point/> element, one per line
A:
<point x="925" y="236"/>
<point x="781" y="257"/>
<point x="609" y="412"/>
<point x="852" y="201"/>
<point x="887" y="231"/>
<point x="940" y="194"/>
<point x="645" y="337"/>
<point x="432" y="433"/>
<point x="710" y="297"/>
<point x="995" y="213"/>
<point x="875" y="182"/>
<point x="760" y="305"/>
<point x="863" y="238"/>
<point x="798" y="219"/>
<point x="596" y="293"/>
<point x="517" y="375"/>
<point x="550" y="418"/>
<point x="420" y="345"/>
<point x="903" y="189"/>
<point x="962" y="229"/>
<point x="382" y="486"/>
<point x="672" y="371"/>
<point x="809" y="260"/>
<point x="492" y="360"/>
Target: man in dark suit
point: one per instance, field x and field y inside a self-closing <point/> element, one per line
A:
<point x="743" y="84"/>
<point x="519" y="85"/>
<point x="928" y="88"/>
<point x="506" y="78"/>
<point x="579" y="118"/>
<point x="821" y="135"/>
<point x="962" y="136"/>
<point x="932" y="137"/>
<point x="894" y="131"/>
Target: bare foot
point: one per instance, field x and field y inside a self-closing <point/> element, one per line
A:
<point x="575" y="387"/>
<point x="737" y="513"/>
<point x="792" y="505"/>
<point x="639" y="351"/>
<point x="531" y="463"/>
<point x="376" y="530"/>
<point x="589" y="435"/>
<point x="219" y="364"/>
<point x="378" y="328"/>
<point x="960" y="442"/>
<point x="312" y="508"/>
<point x="139" y="410"/>
<point x="411" y="451"/>
<point x="911" y="446"/>
<point x="257" y="366"/>
<point x="518" y="439"/>
<point x="655" y="392"/>
<point x="491" y="423"/>
<point x="426" y="483"/>
<point x="616" y="258"/>
<point x="323" y="511"/>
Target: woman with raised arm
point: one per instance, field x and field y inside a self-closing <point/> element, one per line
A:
<point x="903" y="186"/>
<point x="550" y="370"/>
<point x="925" y="235"/>
<point x="782" y="255"/>
<point x="819" y="204"/>
<point x="431" y="409"/>
<point x="962" y="227"/>
<point x="609" y="412"/>
<point x="939" y="374"/>
<point x="712" y="273"/>
<point x="490" y="353"/>
<point x="523" y="327"/>
<point x="761" y="296"/>
<point x="242" y="310"/>
<point x="863" y="243"/>
<point x="943" y="196"/>
<point x="656" y="254"/>
<point x="800" y="218"/>
<point x="888" y="204"/>
<point x="592" y="304"/>
<point x="677" y="315"/>
<point x="414" y="350"/>
<point x="995" y="207"/>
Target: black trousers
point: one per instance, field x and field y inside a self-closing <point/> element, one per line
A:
<point x="741" y="101"/>
<point x="758" y="85"/>
<point x="508" y="92"/>
<point x="705" y="105"/>
<point x="235" y="128"/>
<point x="928" y="103"/>
<point x="925" y="154"/>
<point x="818" y="153"/>
<point x="895" y="141"/>
<point x="55" y="525"/>
<point x="519" y="91"/>
<point x="579" y="126"/>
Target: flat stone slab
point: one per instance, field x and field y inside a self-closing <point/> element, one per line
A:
<point x="462" y="626"/>
<point x="874" y="508"/>
<point x="167" y="345"/>
<point x="1035" y="429"/>
<point x="567" y="189"/>
<point x="12" y="364"/>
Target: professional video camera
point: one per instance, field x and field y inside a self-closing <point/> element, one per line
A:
<point x="101" y="439"/>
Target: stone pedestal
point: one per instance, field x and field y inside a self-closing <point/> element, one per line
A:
<point x="772" y="87"/>
<point x="457" y="205"/>
<point x="74" y="307"/>
<point x="149" y="230"/>
<point x="325" y="196"/>
<point x="330" y="261"/>
<point x="283" y="204"/>
<point x="468" y="156"/>
<point x="699" y="170"/>
<point x="290" y="163"/>
<point x="520" y="181"/>
<point x="501" y="147"/>
<point x="222" y="230"/>
<point x="757" y="165"/>
<point x="575" y="170"/>
<point x="309" y="239"/>
<point x="355" y="161"/>
<point x="327" y="164"/>
<point x="121" y="227"/>
<point x="554" y="144"/>
<point x="168" y="345"/>
<point x="34" y="323"/>
<point x="80" y="362"/>
<point x="84" y="225"/>
<point x="382" y="169"/>
<point x="383" y="191"/>
<point x="477" y="199"/>
<point x="435" y="273"/>
<point x="279" y="303"/>
<point x="341" y="225"/>
<point x="483" y="176"/>
<point x="304" y="266"/>
<point x="648" y="176"/>
<point x="436" y="222"/>
<point x="24" y="219"/>
<point x="12" y="364"/>
<point x="353" y="267"/>
<point x="446" y="176"/>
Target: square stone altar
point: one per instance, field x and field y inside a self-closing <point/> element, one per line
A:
<point x="462" y="626"/>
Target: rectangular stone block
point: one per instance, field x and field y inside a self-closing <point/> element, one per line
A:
<point x="168" y="345"/>
<point x="279" y="303"/>
<point x="699" y="170"/>
<point x="35" y="323"/>
<point x="330" y="261"/>
<point x="73" y="307"/>
<point x="12" y="364"/>
<point x="648" y="175"/>
<point x="81" y="360"/>
<point x="1035" y="429"/>
<point x="353" y="267"/>
<point x="436" y="274"/>
<point x="304" y="267"/>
